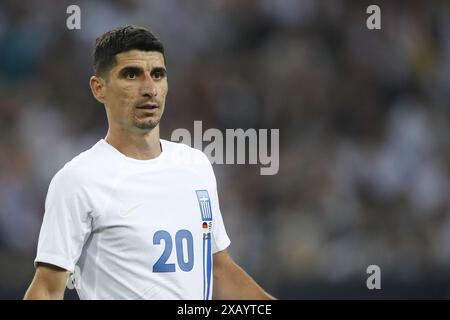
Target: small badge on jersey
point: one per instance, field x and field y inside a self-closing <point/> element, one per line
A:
<point x="204" y="204"/>
<point x="206" y="227"/>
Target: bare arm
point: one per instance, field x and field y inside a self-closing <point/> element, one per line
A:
<point x="231" y="282"/>
<point x="49" y="283"/>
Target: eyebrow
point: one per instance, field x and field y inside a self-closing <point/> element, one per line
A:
<point x="126" y="69"/>
<point x="137" y="69"/>
<point x="159" y="69"/>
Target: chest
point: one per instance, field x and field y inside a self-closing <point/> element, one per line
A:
<point x="146" y="209"/>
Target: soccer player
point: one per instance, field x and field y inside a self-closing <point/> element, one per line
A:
<point x="136" y="216"/>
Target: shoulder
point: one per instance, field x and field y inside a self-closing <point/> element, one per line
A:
<point x="78" y="171"/>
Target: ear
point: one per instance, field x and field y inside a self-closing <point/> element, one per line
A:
<point x="98" y="87"/>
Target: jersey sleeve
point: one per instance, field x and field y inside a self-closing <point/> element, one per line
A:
<point x="66" y="224"/>
<point x="220" y="239"/>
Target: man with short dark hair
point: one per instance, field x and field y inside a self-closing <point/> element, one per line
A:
<point x="136" y="216"/>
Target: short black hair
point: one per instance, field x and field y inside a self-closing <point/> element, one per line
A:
<point x="123" y="39"/>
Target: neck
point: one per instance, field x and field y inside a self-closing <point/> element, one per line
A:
<point x="140" y="146"/>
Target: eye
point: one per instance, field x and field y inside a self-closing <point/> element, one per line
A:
<point x="157" y="75"/>
<point x="130" y="75"/>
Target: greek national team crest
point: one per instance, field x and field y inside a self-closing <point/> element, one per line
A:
<point x="206" y="212"/>
<point x="205" y="204"/>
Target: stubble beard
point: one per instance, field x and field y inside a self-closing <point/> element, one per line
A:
<point x="147" y="124"/>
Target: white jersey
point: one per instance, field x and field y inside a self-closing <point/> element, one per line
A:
<point x="135" y="229"/>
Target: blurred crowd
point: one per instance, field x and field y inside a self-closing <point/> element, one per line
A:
<point x="363" y="118"/>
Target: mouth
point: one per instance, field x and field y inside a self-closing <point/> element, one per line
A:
<point x="148" y="106"/>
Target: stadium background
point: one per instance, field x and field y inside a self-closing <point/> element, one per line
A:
<point x="363" y="118"/>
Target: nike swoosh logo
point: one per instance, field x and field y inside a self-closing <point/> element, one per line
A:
<point x="127" y="212"/>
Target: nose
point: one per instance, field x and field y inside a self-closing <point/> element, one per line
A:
<point x="148" y="87"/>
